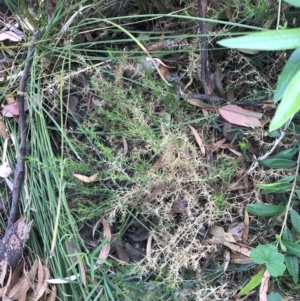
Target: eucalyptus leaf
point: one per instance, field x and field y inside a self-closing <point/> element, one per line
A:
<point x="290" y="69"/>
<point x="293" y="2"/>
<point x="277" y="163"/>
<point x="265" y="210"/>
<point x="292" y="266"/>
<point x="277" y="187"/>
<point x="289" y="105"/>
<point x="292" y="247"/>
<point x="253" y="283"/>
<point x="295" y="218"/>
<point x="282" y="39"/>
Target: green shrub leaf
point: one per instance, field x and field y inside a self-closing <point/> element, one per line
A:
<point x="253" y="283"/>
<point x="289" y="105"/>
<point x="277" y="163"/>
<point x="293" y="2"/>
<point x="269" y="255"/>
<point x="287" y="153"/>
<point x="292" y="266"/>
<point x="282" y="39"/>
<point x="292" y="247"/>
<point x="289" y="71"/>
<point x="287" y="235"/>
<point x="265" y="210"/>
<point x="277" y="187"/>
<point x="295" y="218"/>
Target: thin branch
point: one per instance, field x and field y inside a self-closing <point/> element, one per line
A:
<point x="20" y="166"/>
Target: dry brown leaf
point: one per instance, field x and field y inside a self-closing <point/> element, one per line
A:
<point x="106" y="248"/>
<point x="154" y="193"/>
<point x="201" y="104"/>
<point x="52" y="294"/>
<point x="4" y="267"/>
<point x="3" y="130"/>
<point x="218" y="144"/>
<point x="235" y="247"/>
<point x="4" y="290"/>
<point x="237" y="229"/>
<point x="179" y="206"/>
<point x="238" y="258"/>
<point x="9" y="35"/>
<point x="25" y="283"/>
<point x="86" y="179"/>
<point x="198" y="139"/>
<point x="246" y="228"/>
<point x="43" y="287"/>
<point x="220" y="236"/>
<point x="121" y="253"/>
<point x="237" y="115"/>
<point x="5" y="170"/>
<point x="227" y="260"/>
<point x="236" y="152"/>
<point x="264" y="286"/>
<point x="125" y="145"/>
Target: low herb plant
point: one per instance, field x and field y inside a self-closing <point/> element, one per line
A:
<point x="282" y="256"/>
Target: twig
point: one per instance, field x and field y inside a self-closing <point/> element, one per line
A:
<point x="20" y="166"/>
<point x="205" y="74"/>
<point x="247" y="102"/>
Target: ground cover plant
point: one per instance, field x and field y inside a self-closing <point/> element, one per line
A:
<point x="144" y="167"/>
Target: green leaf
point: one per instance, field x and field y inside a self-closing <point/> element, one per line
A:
<point x="287" y="235"/>
<point x="289" y="105"/>
<point x="293" y="2"/>
<point x="277" y="187"/>
<point x="292" y="266"/>
<point x="253" y="283"/>
<point x="295" y="218"/>
<point x="282" y="246"/>
<point x="287" y="153"/>
<point x="282" y="39"/>
<point x="292" y="247"/>
<point x="277" y="163"/>
<point x="269" y="255"/>
<point x="290" y="69"/>
<point x="274" y="297"/>
<point x="264" y="209"/>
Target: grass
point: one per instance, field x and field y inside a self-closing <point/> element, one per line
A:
<point x="148" y="116"/>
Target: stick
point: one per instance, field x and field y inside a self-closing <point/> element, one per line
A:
<point x="20" y="166"/>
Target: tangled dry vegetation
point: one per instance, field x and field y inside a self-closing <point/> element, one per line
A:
<point x="161" y="179"/>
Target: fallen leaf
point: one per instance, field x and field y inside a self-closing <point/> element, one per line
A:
<point x="237" y="115"/>
<point x="86" y="179"/>
<point x="264" y="286"/>
<point x="220" y="236"/>
<point x="235" y="247"/>
<point x="237" y="229"/>
<point x="198" y="139"/>
<point x="9" y="35"/>
<point x="246" y="228"/>
<point x="240" y="259"/>
<point x="179" y="206"/>
<point x="106" y="248"/>
<point x="121" y="253"/>
<point x="227" y="260"/>
<point x="154" y="193"/>
<point x="12" y="109"/>
<point x="3" y="129"/>
<point x="5" y="170"/>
